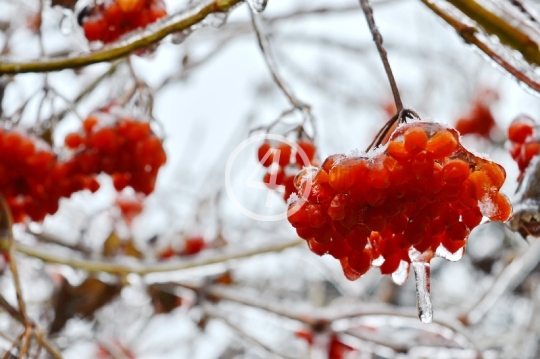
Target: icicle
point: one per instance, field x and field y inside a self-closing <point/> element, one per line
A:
<point x="402" y="273"/>
<point x="446" y="254"/>
<point x="420" y="264"/>
<point x="257" y="5"/>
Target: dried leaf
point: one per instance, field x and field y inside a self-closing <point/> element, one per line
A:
<point x="81" y="301"/>
<point x="111" y="245"/>
<point x="163" y="298"/>
<point x="129" y="249"/>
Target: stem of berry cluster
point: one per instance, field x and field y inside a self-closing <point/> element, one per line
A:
<point x="377" y="38"/>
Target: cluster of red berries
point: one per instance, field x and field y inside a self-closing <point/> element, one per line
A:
<point x="32" y="180"/>
<point x="281" y="158"/>
<point x="127" y="150"/>
<point x="480" y="120"/>
<point x="107" y="21"/>
<point x="421" y="190"/>
<point x="525" y="142"/>
<point x="192" y="245"/>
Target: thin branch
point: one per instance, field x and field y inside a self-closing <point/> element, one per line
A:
<point x="333" y="314"/>
<point x="214" y="312"/>
<point x="255" y="301"/>
<point x="15" y="314"/>
<point x="12" y="263"/>
<point x="196" y="13"/>
<point x="470" y="35"/>
<point x="508" y="32"/>
<point x="512" y="275"/>
<point x="141" y="268"/>
<point x="377" y="38"/>
<point x="269" y="59"/>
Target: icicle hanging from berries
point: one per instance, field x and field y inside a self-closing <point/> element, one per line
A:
<point x="108" y="21"/>
<point x="417" y="197"/>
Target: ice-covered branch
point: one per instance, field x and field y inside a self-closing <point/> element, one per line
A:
<point x="138" y="40"/>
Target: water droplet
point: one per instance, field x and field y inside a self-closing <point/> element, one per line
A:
<point x="66" y="24"/>
<point x="216" y="20"/>
<point x="402" y="273"/>
<point x="442" y="252"/>
<point x="257" y="5"/>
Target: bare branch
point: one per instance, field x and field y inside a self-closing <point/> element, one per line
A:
<point x="142" y="269"/>
<point x="377" y="38"/>
<point x="138" y="40"/>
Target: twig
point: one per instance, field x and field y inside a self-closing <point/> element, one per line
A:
<point x="213" y="312"/>
<point x="508" y="32"/>
<point x="196" y="13"/>
<point x="510" y="278"/>
<point x="142" y="269"/>
<point x="377" y="38"/>
<point x="470" y="35"/>
<point x="241" y="297"/>
<point x="15" y="314"/>
<point x="331" y="315"/>
<point x="269" y="59"/>
<point x="12" y="263"/>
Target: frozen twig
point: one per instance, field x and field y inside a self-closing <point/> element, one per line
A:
<point x="37" y="332"/>
<point x="136" y="41"/>
<point x="143" y="268"/>
<point x="269" y="59"/>
<point x="212" y="311"/>
<point x="377" y="38"/>
<point x="510" y="278"/>
<point x="244" y="298"/>
<point x="471" y="35"/>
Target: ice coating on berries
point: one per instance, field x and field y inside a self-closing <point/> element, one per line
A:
<point x="420" y="192"/>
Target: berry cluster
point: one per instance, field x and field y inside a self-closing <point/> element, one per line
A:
<point x="525" y="142"/>
<point x="107" y="21"/>
<point x="282" y="157"/>
<point x="32" y="180"/>
<point x="480" y="120"/>
<point x="423" y="189"/>
<point x="127" y="150"/>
